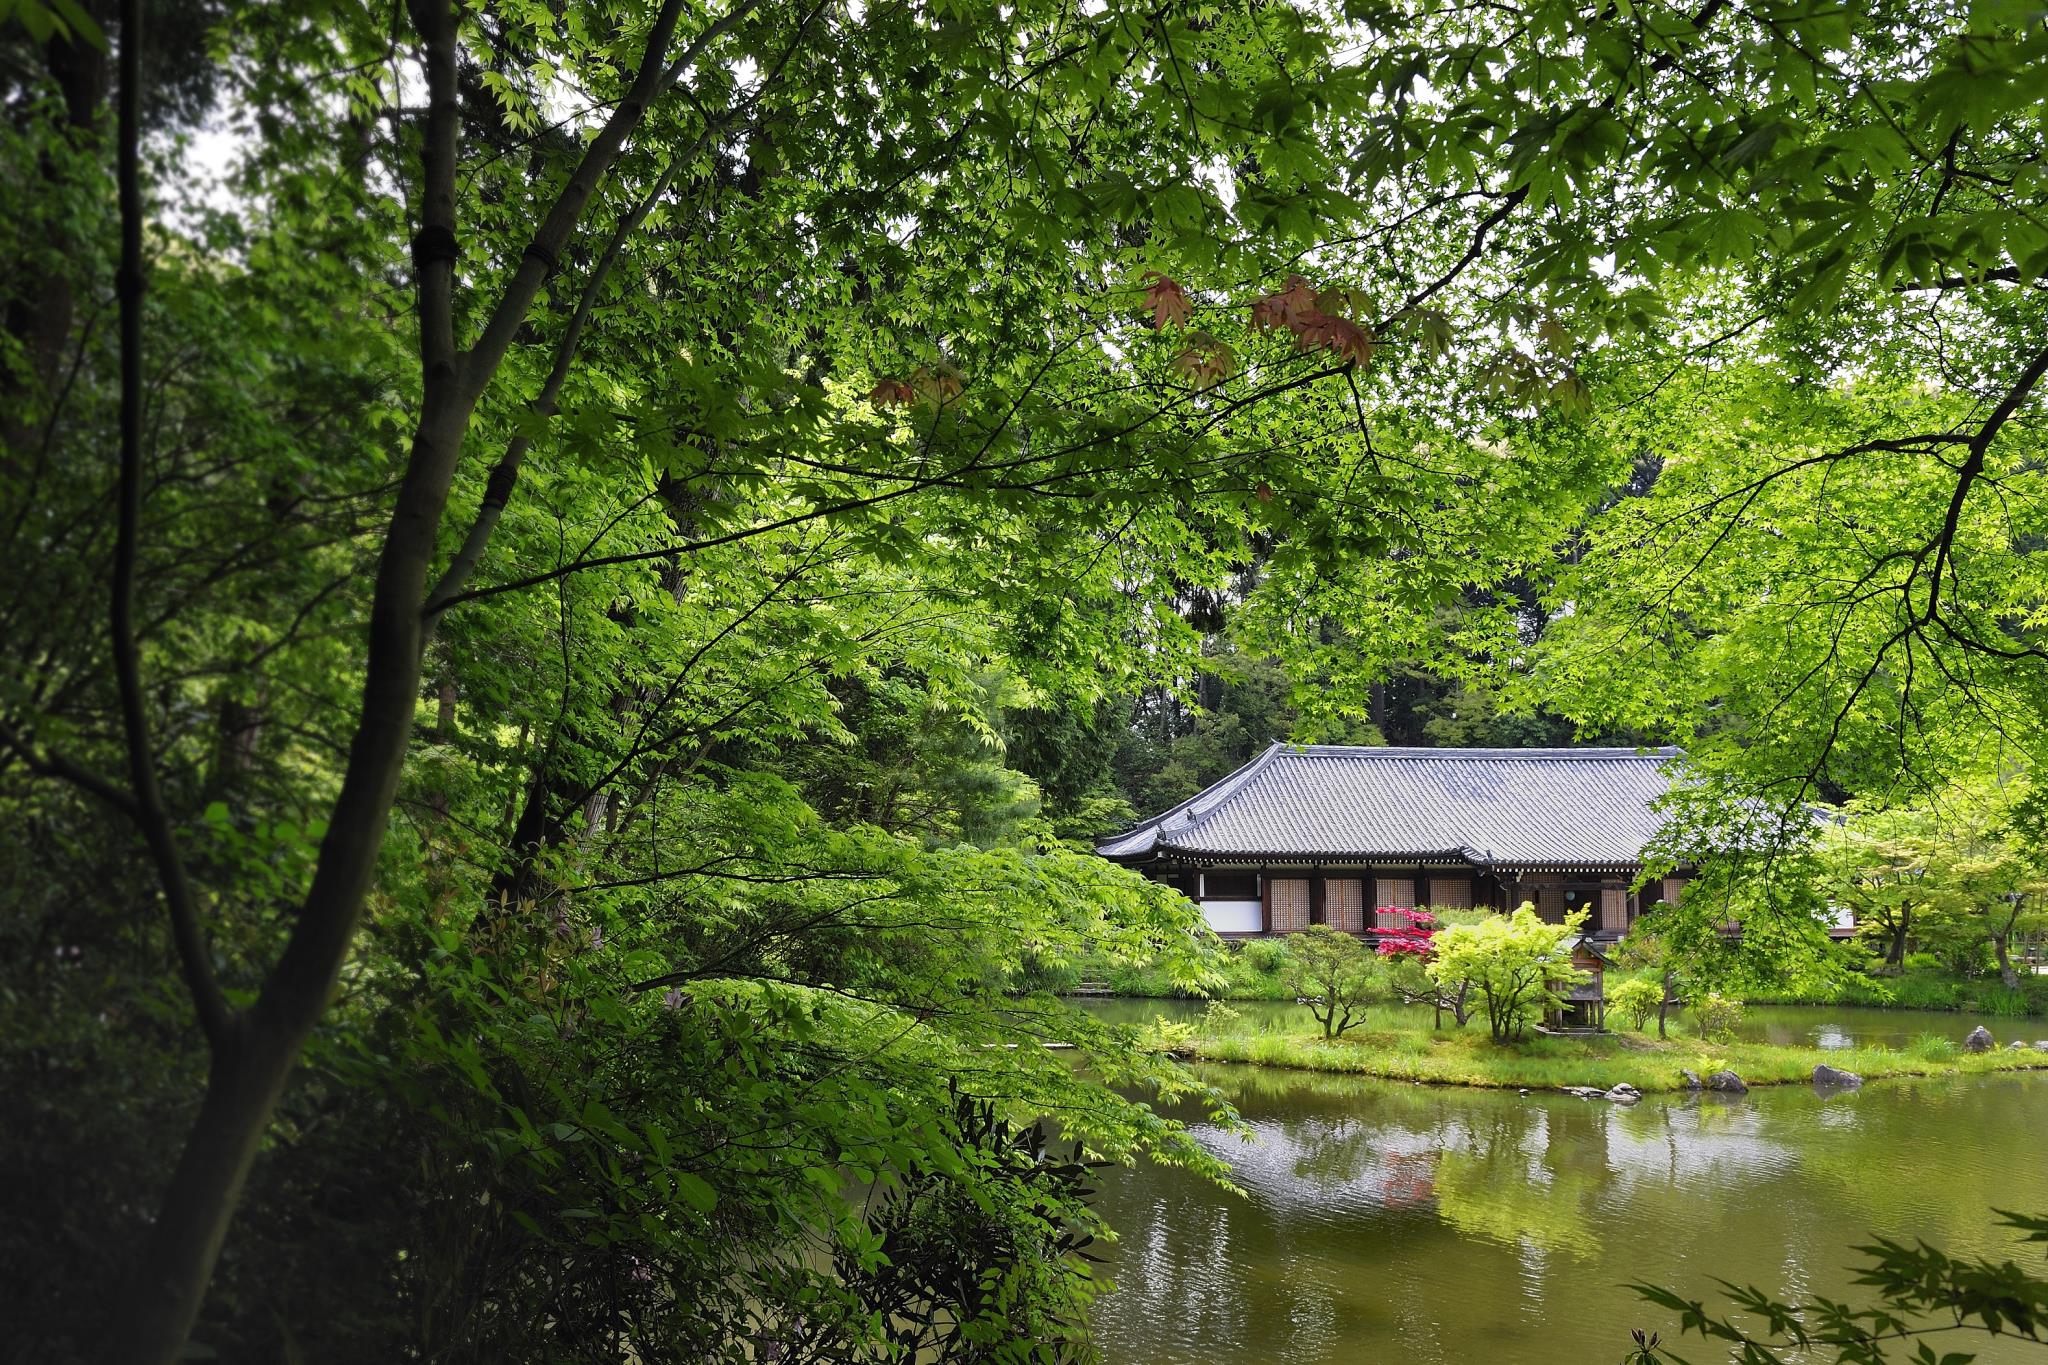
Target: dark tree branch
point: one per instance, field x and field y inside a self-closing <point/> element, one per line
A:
<point x="2002" y="275"/>
<point x="48" y="763"/>
<point x="195" y="957"/>
<point x="1973" y="466"/>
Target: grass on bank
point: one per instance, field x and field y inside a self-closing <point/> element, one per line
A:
<point x="1256" y="969"/>
<point x="1467" y="1056"/>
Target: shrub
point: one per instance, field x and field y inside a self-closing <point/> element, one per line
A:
<point x="1166" y="1035"/>
<point x="1036" y="974"/>
<point x="1716" y="1016"/>
<point x="1636" y="999"/>
<point x="1964" y="957"/>
<point x="1266" y="956"/>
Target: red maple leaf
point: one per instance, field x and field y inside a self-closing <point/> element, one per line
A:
<point x="1167" y="300"/>
<point x="1295" y="302"/>
<point x="1324" y="332"/>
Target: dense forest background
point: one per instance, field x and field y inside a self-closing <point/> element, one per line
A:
<point x="1164" y="744"/>
<point x="582" y="575"/>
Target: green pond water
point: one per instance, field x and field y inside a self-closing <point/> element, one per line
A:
<point x="1403" y="1223"/>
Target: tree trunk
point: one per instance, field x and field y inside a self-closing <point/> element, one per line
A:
<point x="168" y="1285"/>
<point x="1895" y="956"/>
<point x="176" y="1261"/>
<point x="1664" y="1006"/>
<point x="2001" y="944"/>
<point x="39" y="320"/>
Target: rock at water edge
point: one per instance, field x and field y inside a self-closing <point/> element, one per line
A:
<point x="1692" y="1079"/>
<point x="1980" y="1040"/>
<point x="1835" y="1076"/>
<point x="1727" y="1082"/>
<point x="1624" y="1093"/>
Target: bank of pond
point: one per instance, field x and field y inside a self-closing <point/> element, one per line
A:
<point x="1374" y="1220"/>
<point x="1769" y="1046"/>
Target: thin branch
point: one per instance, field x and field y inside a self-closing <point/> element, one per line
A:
<point x="195" y="957"/>
<point x="504" y="476"/>
<point x="653" y="80"/>
<point x="48" y="763"/>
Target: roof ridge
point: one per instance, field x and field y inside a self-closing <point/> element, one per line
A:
<point x="1446" y="752"/>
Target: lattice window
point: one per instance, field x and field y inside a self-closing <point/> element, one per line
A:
<point x="1344" y="904"/>
<point x="1290" y="904"/>
<point x="1392" y="891"/>
<point x="1451" y="893"/>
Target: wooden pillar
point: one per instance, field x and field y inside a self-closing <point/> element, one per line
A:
<point x="1317" y="911"/>
<point x="1265" y="902"/>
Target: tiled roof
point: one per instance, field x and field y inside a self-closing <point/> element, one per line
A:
<point x="1511" y="806"/>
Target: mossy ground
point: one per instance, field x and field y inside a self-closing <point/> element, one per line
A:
<point x="1466" y="1056"/>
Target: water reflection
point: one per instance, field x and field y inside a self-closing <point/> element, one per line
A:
<point x="1385" y="1221"/>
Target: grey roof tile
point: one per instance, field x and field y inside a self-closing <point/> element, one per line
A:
<point x="1516" y="806"/>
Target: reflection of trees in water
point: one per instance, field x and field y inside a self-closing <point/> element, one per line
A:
<point x="1530" y="1184"/>
<point x="1467" y="1225"/>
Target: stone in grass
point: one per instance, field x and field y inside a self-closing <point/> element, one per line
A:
<point x="1825" y="1075"/>
<point x="1980" y="1040"/>
<point x="1691" y="1078"/>
<point x="2041" y="1045"/>
<point x="1727" y="1082"/>
<point x="2015" y="1046"/>
<point x="1624" y="1093"/>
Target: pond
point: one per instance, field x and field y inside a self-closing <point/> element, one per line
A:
<point x="1390" y="1222"/>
